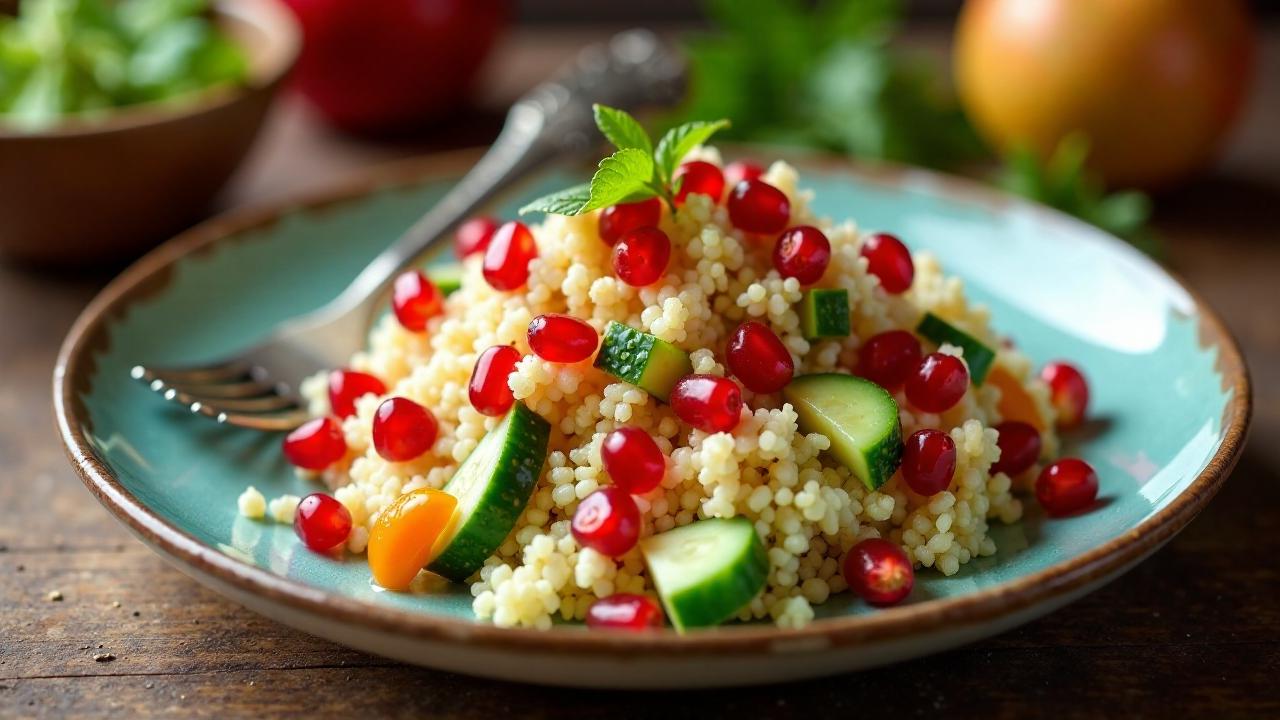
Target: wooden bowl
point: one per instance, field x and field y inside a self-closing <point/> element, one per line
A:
<point x="87" y="192"/>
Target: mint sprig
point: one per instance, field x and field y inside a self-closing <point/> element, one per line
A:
<point x="637" y="171"/>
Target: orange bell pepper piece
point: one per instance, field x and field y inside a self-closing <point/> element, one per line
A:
<point x="405" y="536"/>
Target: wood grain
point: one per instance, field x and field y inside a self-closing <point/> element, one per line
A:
<point x="1194" y="631"/>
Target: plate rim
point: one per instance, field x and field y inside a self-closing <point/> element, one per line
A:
<point x="76" y="359"/>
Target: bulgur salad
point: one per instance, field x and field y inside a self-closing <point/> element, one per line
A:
<point x="681" y="398"/>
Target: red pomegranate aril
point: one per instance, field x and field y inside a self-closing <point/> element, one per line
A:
<point x="700" y="178"/>
<point x="1019" y="445"/>
<point x="938" y="383"/>
<point x="1067" y="486"/>
<point x="889" y="358"/>
<point x="929" y="462"/>
<point x="623" y="611"/>
<point x="618" y="220"/>
<point x="415" y="300"/>
<point x="562" y="338"/>
<point x="640" y="258"/>
<point x="758" y="358"/>
<point x="889" y="260"/>
<point x="403" y="429"/>
<point x="755" y="206"/>
<point x="802" y="253"/>
<point x="347" y="386"/>
<point x="1068" y="391"/>
<point x="607" y="521"/>
<point x="739" y="170"/>
<point x="506" y="259"/>
<point x="488" y="390"/>
<point x="316" y="444"/>
<point x="879" y="572"/>
<point x="321" y="522"/>
<point x="473" y="235"/>
<point x="633" y="460"/>
<point x="708" y="402"/>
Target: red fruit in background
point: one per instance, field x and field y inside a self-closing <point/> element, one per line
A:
<point x="473" y="235"/>
<point x="386" y="65"/>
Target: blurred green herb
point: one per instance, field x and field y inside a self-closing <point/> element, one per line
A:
<point x="637" y="171"/>
<point x="825" y="75"/>
<point x="63" y="57"/>
<point x="1062" y="181"/>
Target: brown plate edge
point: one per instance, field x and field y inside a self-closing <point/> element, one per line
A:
<point x="918" y="619"/>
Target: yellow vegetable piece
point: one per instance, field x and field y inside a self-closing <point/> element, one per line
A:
<point x="405" y="537"/>
<point x="1015" y="402"/>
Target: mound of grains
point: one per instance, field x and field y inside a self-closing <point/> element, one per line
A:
<point x="808" y="509"/>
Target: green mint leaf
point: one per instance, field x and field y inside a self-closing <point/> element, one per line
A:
<point x="621" y="129"/>
<point x="569" y="201"/>
<point x="624" y="175"/>
<point x="679" y="140"/>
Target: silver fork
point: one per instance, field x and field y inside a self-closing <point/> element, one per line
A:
<point x="258" y="387"/>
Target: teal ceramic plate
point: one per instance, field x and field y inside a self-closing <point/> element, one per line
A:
<point x="1171" y="404"/>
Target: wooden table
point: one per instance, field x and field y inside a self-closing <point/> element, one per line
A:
<point x="1194" y="631"/>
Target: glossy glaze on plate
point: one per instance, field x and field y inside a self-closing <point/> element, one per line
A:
<point x="1170" y="406"/>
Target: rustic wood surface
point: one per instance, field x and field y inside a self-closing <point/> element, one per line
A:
<point x="1194" y="631"/>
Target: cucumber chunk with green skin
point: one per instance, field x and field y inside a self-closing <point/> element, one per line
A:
<point x="858" y="416"/>
<point x="447" y="277"/>
<point x="824" y="313"/>
<point x="978" y="356"/>
<point x="706" y="571"/>
<point x="493" y="486"/>
<point x="643" y="360"/>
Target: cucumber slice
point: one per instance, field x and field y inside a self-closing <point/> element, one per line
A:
<point x="978" y="356"/>
<point x="493" y="486"/>
<point x="447" y="277"/>
<point x="824" y="313"/>
<point x="706" y="571"/>
<point x="641" y="359"/>
<point x="858" y="416"/>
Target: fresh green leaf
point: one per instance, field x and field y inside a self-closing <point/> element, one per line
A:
<point x="680" y="140"/>
<point x="569" y="201"/>
<point x="623" y="175"/>
<point x="621" y="128"/>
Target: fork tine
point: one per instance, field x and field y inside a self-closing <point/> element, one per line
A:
<point x="283" y="422"/>
<point x="233" y="390"/>
<point x="226" y="372"/>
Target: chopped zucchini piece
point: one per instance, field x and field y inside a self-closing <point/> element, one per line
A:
<point x="641" y="359"/>
<point x="859" y="417"/>
<point x="978" y="356"/>
<point x="824" y="313"/>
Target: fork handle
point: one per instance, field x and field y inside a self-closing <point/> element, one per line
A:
<point x="554" y="120"/>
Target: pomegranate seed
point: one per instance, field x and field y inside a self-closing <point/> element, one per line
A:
<point x="633" y="460"/>
<point x="802" y="253"/>
<point x="473" y="235"/>
<point x="562" y="338"/>
<point x="758" y="358"/>
<point x="415" y="300"/>
<point x="321" y="522"/>
<point x="889" y="260"/>
<point x="698" y="177"/>
<point x="938" y="383"/>
<point x="316" y="444"/>
<point x="488" y="389"/>
<point x="889" y="358"/>
<point x="1066" y="486"/>
<point x="929" y="461"/>
<point x="347" y="386"/>
<point x="623" y="611"/>
<point x="607" y="521"/>
<point x="707" y="402"/>
<point x="506" y="259"/>
<point x="403" y="429"/>
<point x="1068" y="390"/>
<point x="879" y="572"/>
<point x="739" y="170"/>
<point x="1019" y="448"/>
<point x="755" y="206"/>
<point x="618" y="220"/>
<point x="641" y="256"/>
